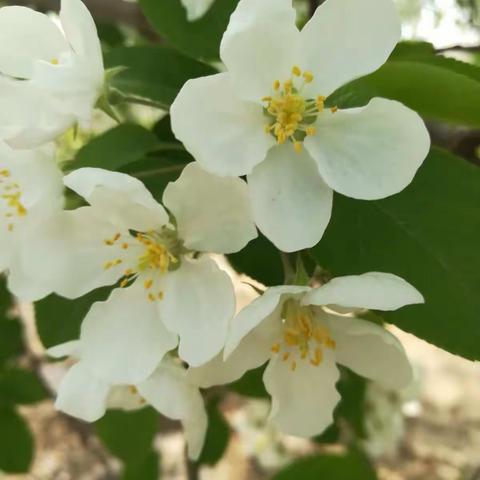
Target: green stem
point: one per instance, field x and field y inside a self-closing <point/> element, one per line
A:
<point x="287" y="268"/>
<point x="159" y="171"/>
<point x="145" y="102"/>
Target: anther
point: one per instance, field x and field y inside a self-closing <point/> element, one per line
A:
<point x="296" y="71"/>
<point x="308" y="77"/>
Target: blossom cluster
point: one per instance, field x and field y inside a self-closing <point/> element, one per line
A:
<point x="169" y="326"/>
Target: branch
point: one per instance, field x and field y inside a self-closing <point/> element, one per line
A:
<point x="118" y="11"/>
<point x="463" y="48"/>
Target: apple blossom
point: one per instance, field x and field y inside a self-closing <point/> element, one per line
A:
<point x="126" y="236"/>
<point x="85" y="395"/>
<point x="31" y="191"/>
<point x="266" y="116"/>
<point x="53" y="77"/>
<point x="196" y="9"/>
<point x="297" y="330"/>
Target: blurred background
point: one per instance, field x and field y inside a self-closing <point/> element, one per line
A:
<point x="431" y="431"/>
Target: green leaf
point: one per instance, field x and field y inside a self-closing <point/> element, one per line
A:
<point x="437" y="88"/>
<point x="429" y="235"/>
<point x="16" y="442"/>
<point x="259" y="260"/>
<point x="350" y="466"/>
<point x="58" y="320"/>
<point x="116" y="148"/>
<point x="11" y="339"/>
<point x="200" y="39"/>
<point x="217" y="438"/>
<point x="129" y="435"/>
<point x="251" y="384"/>
<point x="148" y="469"/>
<point x="154" y="72"/>
<point x="19" y="386"/>
<point x="157" y="170"/>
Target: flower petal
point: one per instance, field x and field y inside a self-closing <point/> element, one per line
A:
<point x="80" y="29"/>
<point x="123" y="339"/>
<point x="370" y="351"/>
<point x="169" y="391"/>
<point x="346" y="39"/>
<point x="252" y="352"/>
<point x="68" y="349"/>
<point x="213" y="214"/>
<point x="370" y="152"/>
<point x="374" y="290"/>
<point x="82" y="395"/>
<point x="198" y="304"/>
<point x="35" y="37"/>
<point x="260" y="45"/>
<point x="225" y="134"/>
<point x="303" y="400"/>
<point x="196" y="9"/>
<point x="77" y="238"/>
<point x="291" y="203"/>
<point x="268" y="306"/>
<point x="125" y="201"/>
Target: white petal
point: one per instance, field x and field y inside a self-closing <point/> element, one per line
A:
<point x="213" y="214"/>
<point x="374" y="290"/>
<point x="77" y="238"/>
<point x="169" y="391"/>
<point x="68" y="349"/>
<point x="261" y="45"/>
<point x="291" y="203"/>
<point x="225" y="134"/>
<point x="34" y="36"/>
<point x="196" y="9"/>
<point x="252" y="352"/>
<point x="346" y="39"/>
<point x="262" y="309"/>
<point x="123" y="339"/>
<point x="125" y="398"/>
<point x="198" y="304"/>
<point x="82" y="395"/>
<point x="81" y="32"/>
<point x="370" y="351"/>
<point x="370" y="152"/>
<point x="125" y="201"/>
<point x="303" y="400"/>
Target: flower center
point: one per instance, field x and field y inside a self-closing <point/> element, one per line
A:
<point x="291" y="115"/>
<point x="147" y="256"/>
<point x="304" y="337"/>
<point x="11" y="195"/>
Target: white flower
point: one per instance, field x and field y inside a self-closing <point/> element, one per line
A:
<point x="196" y="9"/>
<point x="51" y="77"/>
<point x="85" y="395"/>
<point x="266" y="116"/>
<point x="125" y="235"/>
<point x="302" y="340"/>
<point x="31" y="190"/>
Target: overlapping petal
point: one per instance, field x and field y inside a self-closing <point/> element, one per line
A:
<point x="123" y="339"/>
<point x="122" y="199"/>
<point x="82" y="395"/>
<point x="302" y="401"/>
<point x="370" y="152"/>
<point x="213" y="214"/>
<point x="291" y="203"/>
<point x="346" y="39"/>
<point x="260" y="45"/>
<point x="374" y="290"/>
<point x="198" y="304"/>
<point x="370" y="351"/>
<point x="34" y="36"/>
<point x="225" y="134"/>
<point x="169" y="391"/>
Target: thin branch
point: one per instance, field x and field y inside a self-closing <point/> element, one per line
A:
<point x="159" y="171"/>
<point x="463" y="48"/>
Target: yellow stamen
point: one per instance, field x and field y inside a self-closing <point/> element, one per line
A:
<point x="296" y="71"/>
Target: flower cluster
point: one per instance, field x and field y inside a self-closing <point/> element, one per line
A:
<point x="168" y="327"/>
